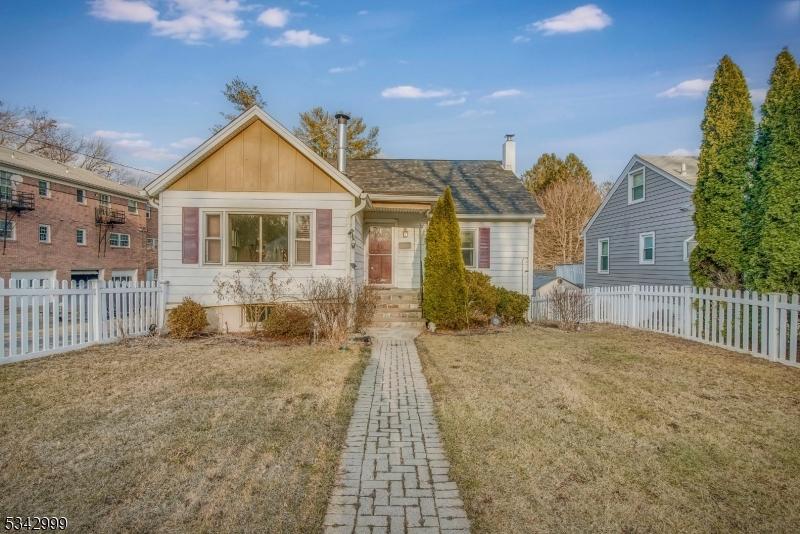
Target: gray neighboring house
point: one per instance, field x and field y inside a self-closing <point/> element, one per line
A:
<point x="643" y="231"/>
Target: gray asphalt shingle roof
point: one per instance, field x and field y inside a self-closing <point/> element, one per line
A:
<point x="675" y="165"/>
<point x="478" y="186"/>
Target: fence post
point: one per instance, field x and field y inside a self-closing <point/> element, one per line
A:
<point x="595" y="305"/>
<point x="162" y="303"/>
<point x="772" y="324"/>
<point x="97" y="333"/>
<point x="633" y="307"/>
<point x="686" y="323"/>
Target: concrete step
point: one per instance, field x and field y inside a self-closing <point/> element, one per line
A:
<point x="394" y="306"/>
<point x="397" y="315"/>
<point x="419" y="325"/>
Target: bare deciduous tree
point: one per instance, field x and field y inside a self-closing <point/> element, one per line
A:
<point x="567" y="205"/>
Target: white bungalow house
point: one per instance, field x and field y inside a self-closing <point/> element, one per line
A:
<point x="254" y="195"/>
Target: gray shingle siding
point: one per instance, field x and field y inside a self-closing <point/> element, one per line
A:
<point x="666" y="210"/>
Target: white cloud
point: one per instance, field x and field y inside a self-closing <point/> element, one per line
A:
<point x="476" y="113"/>
<point x="348" y="68"/>
<point x="155" y="154"/>
<point x="123" y="10"/>
<point x="299" y="38"/>
<point x="363" y="12"/>
<point x="683" y="152"/>
<point x="791" y="10"/>
<point x="758" y="95"/>
<point x="518" y="39"/>
<point x="452" y="102"/>
<point x="192" y="21"/>
<point x="580" y="19"/>
<point x="274" y="17"/>
<point x="187" y="142"/>
<point x="504" y="93"/>
<point x="409" y="91"/>
<point x="689" y="88"/>
<point x="113" y="134"/>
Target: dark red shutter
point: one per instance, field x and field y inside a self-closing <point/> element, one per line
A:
<point x="324" y="236"/>
<point x="191" y="235"/>
<point x="484" y="247"/>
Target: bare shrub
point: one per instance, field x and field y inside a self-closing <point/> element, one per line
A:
<point x="569" y="308"/>
<point x="365" y="302"/>
<point x="288" y="321"/>
<point x="330" y="302"/>
<point x="188" y="320"/>
<point x="253" y="292"/>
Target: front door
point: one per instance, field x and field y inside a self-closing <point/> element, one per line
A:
<point x="380" y="254"/>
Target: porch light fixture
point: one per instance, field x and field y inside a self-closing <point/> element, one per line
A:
<point x="405" y="232"/>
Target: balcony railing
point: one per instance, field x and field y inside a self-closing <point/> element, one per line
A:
<point x="106" y="215"/>
<point x="16" y="200"/>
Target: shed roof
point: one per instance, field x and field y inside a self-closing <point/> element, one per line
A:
<point x="478" y="186"/>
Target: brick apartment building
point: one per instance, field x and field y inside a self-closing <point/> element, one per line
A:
<point x="64" y="223"/>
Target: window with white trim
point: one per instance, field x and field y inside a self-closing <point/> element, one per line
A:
<point x="258" y="238"/>
<point x="688" y="247"/>
<point x="152" y="243"/>
<point x="6" y="186"/>
<point x="80" y="236"/>
<point x="105" y="200"/>
<point x="647" y="248"/>
<point x="44" y="233"/>
<point x="213" y="238"/>
<point x="636" y="186"/>
<point x="119" y="240"/>
<point x="133" y="206"/>
<point x="8" y="230"/>
<point x="603" y="256"/>
<point x="148" y="211"/>
<point x="44" y="188"/>
<point x="468" y="248"/>
<point x="80" y="196"/>
<point x="302" y="239"/>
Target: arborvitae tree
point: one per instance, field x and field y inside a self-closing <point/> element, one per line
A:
<point x="723" y="175"/>
<point x="773" y="214"/>
<point x="444" y="297"/>
<point x="549" y="168"/>
<point x="318" y="130"/>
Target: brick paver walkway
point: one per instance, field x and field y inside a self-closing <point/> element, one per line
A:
<point x="393" y="475"/>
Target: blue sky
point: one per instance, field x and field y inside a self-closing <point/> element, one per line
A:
<point x="442" y="79"/>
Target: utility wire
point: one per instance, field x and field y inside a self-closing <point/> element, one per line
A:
<point x="80" y="153"/>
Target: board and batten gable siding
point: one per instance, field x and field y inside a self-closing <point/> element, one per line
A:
<point x="197" y="280"/>
<point x="257" y="159"/>
<point x="666" y="210"/>
<point x="510" y="246"/>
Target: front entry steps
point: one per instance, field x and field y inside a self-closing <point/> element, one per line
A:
<point x="398" y="308"/>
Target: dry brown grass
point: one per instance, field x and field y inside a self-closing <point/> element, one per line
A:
<point x="216" y="434"/>
<point x="616" y="430"/>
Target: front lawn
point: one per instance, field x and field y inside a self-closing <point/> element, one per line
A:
<point x="616" y="430"/>
<point x="217" y="434"/>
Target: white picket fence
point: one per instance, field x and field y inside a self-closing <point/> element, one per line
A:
<point x="764" y="325"/>
<point x="37" y="319"/>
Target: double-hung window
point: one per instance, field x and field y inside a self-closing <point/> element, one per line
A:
<point x="603" y="256"/>
<point x="80" y="196"/>
<point x="302" y="239"/>
<point x="647" y="248"/>
<point x="468" y="247"/>
<point x="148" y="211"/>
<point x="5" y="185"/>
<point x="7" y="230"/>
<point x="105" y="200"/>
<point x="133" y="206"/>
<point x="119" y="240"/>
<point x="44" y="233"/>
<point x="80" y="236"/>
<point x="44" y="188"/>
<point x="213" y="238"/>
<point x="636" y="186"/>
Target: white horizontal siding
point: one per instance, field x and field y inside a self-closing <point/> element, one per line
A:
<point x="510" y="252"/>
<point x="197" y="281"/>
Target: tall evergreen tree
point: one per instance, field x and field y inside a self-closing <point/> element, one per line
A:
<point x="773" y="208"/>
<point x="549" y="168"/>
<point x="723" y="175"/>
<point x="444" y="298"/>
<point x="242" y="96"/>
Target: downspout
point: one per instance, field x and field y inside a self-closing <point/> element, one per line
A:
<point x="355" y="211"/>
